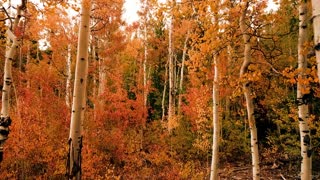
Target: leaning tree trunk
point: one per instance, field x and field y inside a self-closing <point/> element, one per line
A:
<point x="248" y="95"/>
<point x="216" y="124"/>
<point x="79" y="95"/>
<point x="305" y="140"/>
<point x="13" y="35"/>
<point x="316" y="30"/>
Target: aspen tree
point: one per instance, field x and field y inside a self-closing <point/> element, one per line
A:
<point x="14" y="39"/>
<point x="164" y="92"/>
<point x="303" y="111"/>
<point x="171" y="94"/>
<point x="79" y="95"/>
<point x="215" y="100"/>
<point x="248" y="93"/>
<point x="184" y="54"/>
<point x="69" y="77"/>
<point x="145" y="47"/>
<point x="216" y="124"/>
<point x="316" y="30"/>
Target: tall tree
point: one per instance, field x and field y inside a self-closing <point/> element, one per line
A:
<point x="248" y="92"/>
<point x="69" y="76"/>
<point x="171" y="94"/>
<point x="145" y="58"/>
<point x="305" y="138"/>
<point x="79" y="94"/>
<point x="216" y="124"/>
<point x="13" y="35"/>
<point x="215" y="96"/>
<point x="184" y="54"/>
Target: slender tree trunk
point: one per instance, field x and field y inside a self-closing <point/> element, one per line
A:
<point x="5" y="120"/>
<point x="227" y="105"/>
<point x="305" y="138"/>
<point x="145" y="74"/>
<point x="171" y="108"/>
<point x="164" y="92"/>
<point x="79" y="95"/>
<point x="94" y="59"/>
<point x="102" y="81"/>
<point x="316" y="31"/>
<point x="69" y="77"/>
<point x="248" y="95"/>
<point x="216" y="123"/>
<point x="184" y="54"/>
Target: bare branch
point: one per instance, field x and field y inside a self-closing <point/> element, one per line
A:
<point x="6" y="12"/>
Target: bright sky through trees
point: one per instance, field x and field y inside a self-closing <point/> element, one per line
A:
<point x="132" y="6"/>
<point x="130" y="10"/>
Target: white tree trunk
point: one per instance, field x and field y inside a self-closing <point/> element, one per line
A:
<point x="79" y="95"/>
<point x="184" y="54"/>
<point x="164" y="92"/>
<point x="69" y="77"/>
<point x="11" y="50"/>
<point x="145" y="44"/>
<point x="216" y="123"/>
<point x="171" y="108"/>
<point x="248" y="95"/>
<point x="316" y="31"/>
<point x="305" y="138"/>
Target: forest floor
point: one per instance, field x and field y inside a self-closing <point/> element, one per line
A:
<point x="244" y="172"/>
<point x="269" y="171"/>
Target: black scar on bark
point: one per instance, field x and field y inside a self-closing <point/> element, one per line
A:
<point x="306" y="140"/>
<point x="317" y="47"/>
<point x="309" y="152"/>
<point x="1" y="156"/>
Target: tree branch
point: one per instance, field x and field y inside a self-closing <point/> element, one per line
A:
<point x="6" y="12"/>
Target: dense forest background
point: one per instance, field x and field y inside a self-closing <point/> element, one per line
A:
<point x="149" y="106"/>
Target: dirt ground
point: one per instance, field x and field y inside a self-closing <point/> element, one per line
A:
<point x="274" y="171"/>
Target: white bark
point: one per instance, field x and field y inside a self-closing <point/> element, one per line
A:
<point x="316" y="31"/>
<point x="69" y="77"/>
<point x="7" y="83"/>
<point x="184" y="53"/>
<point x="145" y="90"/>
<point x="248" y="96"/>
<point x="164" y="92"/>
<point x="79" y="95"/>
<point x="305" y="140"/>
<point x="171" y="108"/>
<point x="11" y="50"/>
<point x="216" y="124"/>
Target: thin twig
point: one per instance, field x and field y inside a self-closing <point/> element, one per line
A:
<point x="282" y="177"/>
<point x="270" y="65"/>
<point x="6" y="12"/>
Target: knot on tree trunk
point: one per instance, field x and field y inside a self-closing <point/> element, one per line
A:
<point x="5" y="122"/>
